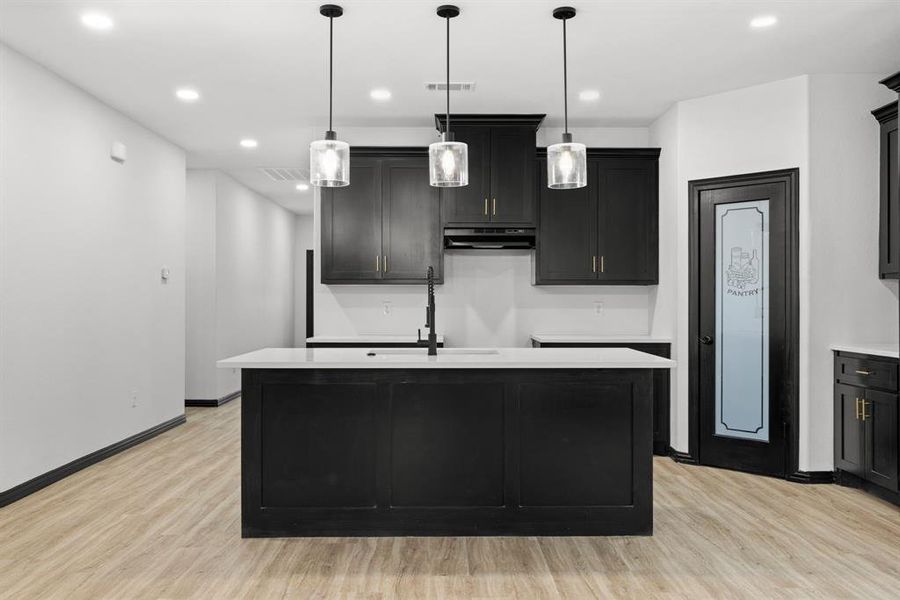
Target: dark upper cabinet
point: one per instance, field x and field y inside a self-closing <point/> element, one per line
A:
<point x="606" y="233"/>
<point x="470" y="204"/>
<point x="351" y="225"/>
<point x="501" y="170"/>
<point x="889" y="194"/>
<point x="567" y="236"/>
<point x="512" y="175"/>
<point x="385" y="227"/>
<point x="411" y="221"/>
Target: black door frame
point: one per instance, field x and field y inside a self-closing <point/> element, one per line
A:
<point x="791" y="179"/>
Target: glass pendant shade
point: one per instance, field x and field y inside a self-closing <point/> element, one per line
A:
<point x="566" y="166"/>
<point x="448" y="163"/>
<point x="329" y="163"/>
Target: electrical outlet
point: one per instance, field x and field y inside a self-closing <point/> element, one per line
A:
<point x="598" y="308"/>
<point x="386" y="308"/>
<point x="134" y="398"/>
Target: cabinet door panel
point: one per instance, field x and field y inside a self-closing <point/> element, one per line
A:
<point x="889" y="245"/>
<point x="567" y="233"/>
<point x="351" y="226"/>
<point x="469" y="204"/>
<point x="412" y="220"/>
<point x="881" y="438"/>
<point x="512" y="176"/>
<point x="849" y="454"/>
<point x="628" y="214"/>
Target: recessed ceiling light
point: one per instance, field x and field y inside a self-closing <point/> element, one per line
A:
<point x="589" y="95"/>
<point x="380" y="94"/>
<point x="187" y="94"/>
<point x="302" y="187"/>
<point x="249" y="143"/>
<point x="98" y="21"/>
<point x="763" y="21"/>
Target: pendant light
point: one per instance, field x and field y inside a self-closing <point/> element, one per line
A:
<point x="329" y="159"/>
<point x="448" y="160"/>
<point x="566" y="161"/>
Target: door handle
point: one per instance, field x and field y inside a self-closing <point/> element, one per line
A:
<point x="377" y="263"/>
<point x="705" y="340"/>
<point x="865" y="415"/>
<point x="594" y="264"/>
<point x="485" y="207"/>
<point x="857" y="410"/>
<point x="494" y="207"/>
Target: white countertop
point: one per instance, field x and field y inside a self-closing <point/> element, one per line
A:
<point x="587" y="338"/>
<point x="368" y="339"/>
<point x="447" y="358"/>
<point x="874" y="349"/>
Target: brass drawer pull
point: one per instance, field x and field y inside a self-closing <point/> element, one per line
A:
<point x="862" y="372"/>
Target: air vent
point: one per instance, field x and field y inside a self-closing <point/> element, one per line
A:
<point x="455" y="86"/>
<point x="284" y="173"/>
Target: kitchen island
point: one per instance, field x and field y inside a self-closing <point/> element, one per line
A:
<point x="473" y="441"/>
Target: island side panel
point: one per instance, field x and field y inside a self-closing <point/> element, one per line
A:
<point x="447" y="452"/>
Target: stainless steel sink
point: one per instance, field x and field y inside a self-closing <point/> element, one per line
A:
<point x="424" y="351"/>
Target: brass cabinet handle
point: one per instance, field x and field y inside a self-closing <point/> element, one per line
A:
<point x="594" y="264"/>
<point x="857" y="409"/>
<point x="377" y="263"/>
<point x="602" y="264"/>
<point x="494" y="206"/>
<point x="861" y="372"/>
<point x="864" y="415"/>
<point x="485" y="207"/>
<point x="384" y="264"/>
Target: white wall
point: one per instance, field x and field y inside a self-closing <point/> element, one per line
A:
<point x="243" y="278"/>
<point x="487" y="298"/>
<point x="200" y="264"/>
<point x="822" y="125"/>
<point x="847" y="302"/>
<point x="663" y="298"/>
<point x="85" y="319"/>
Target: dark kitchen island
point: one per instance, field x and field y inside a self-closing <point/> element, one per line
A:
<point x="509" y="441"/>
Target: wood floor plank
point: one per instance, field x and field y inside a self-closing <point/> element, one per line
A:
<point x="162" y="520"/>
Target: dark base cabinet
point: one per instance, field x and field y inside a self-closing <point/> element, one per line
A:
<point x="661" y="386"/>
<point x="380" y="452"/>
<point x="866" y="441"/>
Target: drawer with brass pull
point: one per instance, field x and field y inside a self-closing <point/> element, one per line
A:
<point x="866" y="371"/>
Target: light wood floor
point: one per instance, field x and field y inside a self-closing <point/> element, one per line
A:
<point x="163" y="521"/>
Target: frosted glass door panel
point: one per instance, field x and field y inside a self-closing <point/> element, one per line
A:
<point x="742" y="320"/>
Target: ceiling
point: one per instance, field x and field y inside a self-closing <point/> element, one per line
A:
<point x="261" y="66"/>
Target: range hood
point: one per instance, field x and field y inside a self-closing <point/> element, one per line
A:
<point x="489" y="238"/>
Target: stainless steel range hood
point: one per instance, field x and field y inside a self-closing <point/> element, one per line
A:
<point x="489" y="238"/>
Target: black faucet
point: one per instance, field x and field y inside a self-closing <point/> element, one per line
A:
<point x="429" y="317"/>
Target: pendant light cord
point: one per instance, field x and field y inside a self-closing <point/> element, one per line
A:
<point x="331" y="68"/>
<point x="447" y="128"/>
<point x="565" y="80"/>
